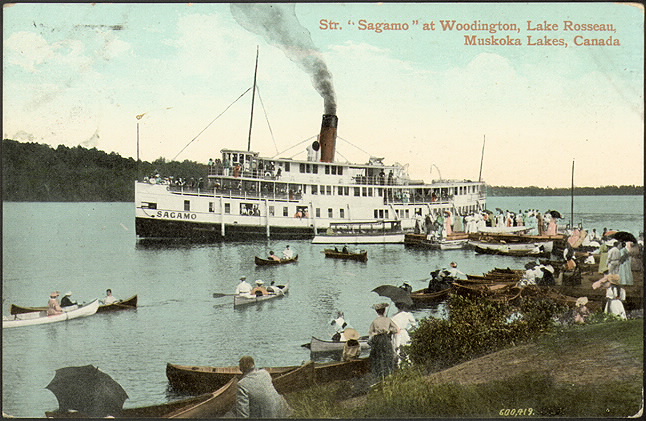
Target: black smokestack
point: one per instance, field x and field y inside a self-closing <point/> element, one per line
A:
<point x="280" y="27"/>
<point x="327" y="138"/>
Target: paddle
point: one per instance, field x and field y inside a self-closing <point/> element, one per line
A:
<point x="221" y="294"/>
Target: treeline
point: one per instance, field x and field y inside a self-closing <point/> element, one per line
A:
<point x="34" y="172"/>
<point x="631" y="190"/>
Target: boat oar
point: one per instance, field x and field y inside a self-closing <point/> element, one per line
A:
<point x="221" y="294"/>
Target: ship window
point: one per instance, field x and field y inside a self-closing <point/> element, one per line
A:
<point x="386" y="213"/>
<point x="364" y="191"/>
<point x="333" y="169"/>
<point x="340" y="171"/>
<point x="340" y="191"/>
<point x="322" y="189"/>
<point x="271" y="211"/>
<point x="149" y="205"/>
<point x="211" y="207"/>
<point x="315" y="169"/>
<point x="286" y="166"/>
<point x="381" y="214"/>
<point x="318" y="212"/>
<point x="341" y="213"/>
<point x="227" y="208"/>
<point x="315" y="189"/>
<point x="328" y="190"/>
<point x="187" y="205"/>
<point x="376" y="214"/>
<point x="302" y="168"/>
<point x="346" y="191"/>
<point x="357" y="191"/>
<point x="329" y="213"/>
<point x="370" y="191"/>
<point x="327" y="169"/>
<point x="407" y="213"/>
<point x="285" y="211"/>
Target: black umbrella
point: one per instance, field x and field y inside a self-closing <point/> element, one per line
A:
<point x="397" y="294"/>
<point x="555" y="214"/>
<point x="88" y="390"/>
<point x="624" y="236"/>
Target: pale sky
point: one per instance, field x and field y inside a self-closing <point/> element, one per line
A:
<point x="79" y="74"/>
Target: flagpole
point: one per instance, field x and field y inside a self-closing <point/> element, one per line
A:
<point x="484" y="139"/>
<point x="253" y="97"/>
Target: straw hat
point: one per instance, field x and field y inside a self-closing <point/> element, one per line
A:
<point x="259" y="282"/>
<point x="242" y="278"/>
<point x="613" y="278"/>
<point x="581" y="301"/>
<point x="68" y="294"/>
<point x="351" y="333"/>
<point x="380" y="306"/>
<point x="54" y="294"/>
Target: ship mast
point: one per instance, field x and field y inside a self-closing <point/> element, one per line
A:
<point x="253" y="97"/>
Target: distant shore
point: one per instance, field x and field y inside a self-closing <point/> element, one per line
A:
<point x="79" y="174"/>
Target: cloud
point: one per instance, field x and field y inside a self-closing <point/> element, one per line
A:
<point x="27" y="50"/>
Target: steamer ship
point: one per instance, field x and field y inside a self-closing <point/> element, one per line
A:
<point x="246" y="196"/>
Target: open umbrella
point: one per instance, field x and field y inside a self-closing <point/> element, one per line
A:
<point x="398" y="295"/>
<point x="88" y="390"/>
<point x="555" y="214"/>
<point x="624" y="236"/>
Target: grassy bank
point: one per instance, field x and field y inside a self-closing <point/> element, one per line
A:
<point x="582" y="371"/>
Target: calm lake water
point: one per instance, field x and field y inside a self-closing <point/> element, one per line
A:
<point x="88" y="247"/>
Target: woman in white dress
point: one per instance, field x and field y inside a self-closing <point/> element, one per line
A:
<point x="615" y="296"/>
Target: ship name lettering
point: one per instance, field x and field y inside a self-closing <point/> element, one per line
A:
<point x="176" y="215"/>
<point x="378" y="27"/>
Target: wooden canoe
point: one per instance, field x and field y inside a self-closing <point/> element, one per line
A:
<point x="201" y="379"/>
<point x="41" y="317"/>
<point x="514" y="253"/>
<point x="208" y="405"/>
<point x="192" y="379"/>
<point x="361" y="256"/>
<point x="241" y="300"/>
<point x="128" y="304"/>
<point x="269" y="262"/>
<point x="320" y="345"/>
<point x="421" y="297"/>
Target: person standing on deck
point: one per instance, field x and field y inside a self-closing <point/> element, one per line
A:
<point x="256" y="396"/>
<point x="614" y="256"/>
<point x="382" y="355"/>
<point x="625" y="266"/>
<point x="552" y="226"/>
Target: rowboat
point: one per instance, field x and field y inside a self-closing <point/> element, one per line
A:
<point x="319" y="345"/>
<point x="421" y="297"/>
<point x="516" y="250"/>
<point x="361" y="256"/>
<point x="200" y="379"/>
<point x="269" y="262"/>
<point x="128" y="304"/>
<point x="41" y="317"/>
<point x="241" y="300"/>
<point x="286" y="379"/>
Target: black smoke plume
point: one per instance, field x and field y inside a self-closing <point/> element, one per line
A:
<point x="280" y="27"/>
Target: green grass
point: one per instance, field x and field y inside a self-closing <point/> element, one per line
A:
<point x="536" y="393"/>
